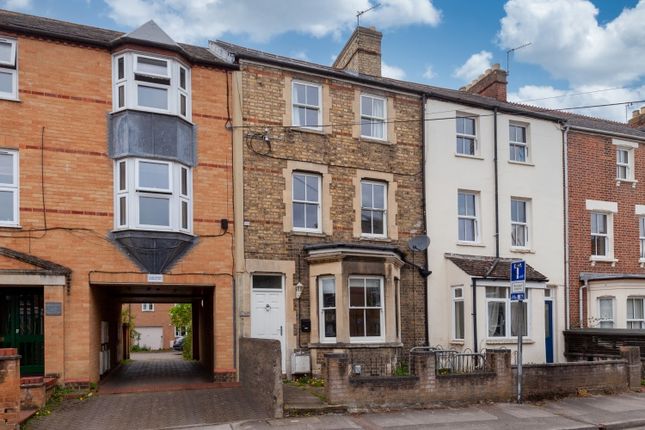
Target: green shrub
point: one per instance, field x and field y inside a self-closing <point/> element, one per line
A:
<point x="187" y="353"/>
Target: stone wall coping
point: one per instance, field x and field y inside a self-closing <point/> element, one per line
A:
<point x="467" y="375"/>
<point x="9" y="357"/>
<point x="384" y="380"/>
<point x="571" y="364"/>
<point x="355" y="345"/>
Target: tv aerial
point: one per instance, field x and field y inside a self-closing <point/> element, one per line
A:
<point x="359" y="13"/>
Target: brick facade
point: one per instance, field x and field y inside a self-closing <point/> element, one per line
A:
<point x="159" y="317"/>
<point x="9" y="388"/>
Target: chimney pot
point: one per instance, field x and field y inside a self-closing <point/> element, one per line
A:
<point x="638" y="119"/>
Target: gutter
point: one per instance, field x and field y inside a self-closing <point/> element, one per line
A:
<point x="608" y="133"/>
<point x="474" y="314"/>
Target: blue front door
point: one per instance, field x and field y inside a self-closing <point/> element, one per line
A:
<point x="548" y="330"/>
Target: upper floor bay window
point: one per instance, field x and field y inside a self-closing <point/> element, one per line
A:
<point x="151" y="83"/>
<point x="373" y="208"/>
<point x="306" y="99"/>
<point x="8" y="69"/>
<point x="9" y="188"/>
<point x="153" y="195"/>
<point x="306" y="202"/>
<point x="468" y="216"/>
<point x="466" y="135"/>
<point x="599" y="235"/>
<point x="519" y="150"/>
<point x="519" y="223"/>
<point x="373" y="117"/>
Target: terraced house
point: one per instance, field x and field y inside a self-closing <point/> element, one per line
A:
<point x="114" y="188"/>
<point x="329" y="189"/>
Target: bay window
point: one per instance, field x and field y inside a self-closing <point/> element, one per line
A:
<point x="606" y="312"/>
<point x="635" y="312"/>
<point x="366" y="309"/>
<point x="458" y="313"/>
<point x="327" y="300"/>
<point x="505" y="317"/>
<point x="153" y="195"/>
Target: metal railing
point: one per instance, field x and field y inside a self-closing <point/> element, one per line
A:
<point x="451" y="362"/>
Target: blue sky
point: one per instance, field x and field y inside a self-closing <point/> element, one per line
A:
<point x="595" y="47"/>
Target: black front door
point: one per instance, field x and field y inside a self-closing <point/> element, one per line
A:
<point x="22" y="327"/>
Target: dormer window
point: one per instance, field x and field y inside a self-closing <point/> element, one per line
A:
<point x="151" y="83"/>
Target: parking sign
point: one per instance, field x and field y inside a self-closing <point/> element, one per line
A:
<point x="518" y="280"/>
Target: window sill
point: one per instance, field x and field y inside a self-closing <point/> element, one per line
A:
<point x="520" y="250"/>
<point x="375" y="140"/>
<point x="475" y="244"/>
<point x="521" y="163"/>
<point x="610" y="260"/>
<point x="308" y="233"/>
<point x="509" y="341"/>
<point x="11" y="99"/>
<point x="472" y="157"/>
<point x="375" y="238"/>
<point x="354" y="344"/>
<point x="13" y="226"/>
<point x="457" y="342"/>
<point x="307" y="130"/>
<point x="627" y="181"/>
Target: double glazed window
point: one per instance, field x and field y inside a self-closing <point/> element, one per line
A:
<point x="373" y="208"/>
<point x="306" y="202"/>
<point x="505" y="317"/>
<point x="519" y="223"/>
<point x="599" y="235"/>
<point x="366" y="308"/>
<point x="373" y="117"/>
<point x="466" y="136"/>
<point x="8" y="69"/>
<point x="606" y="312"/>
<point x="635" y="312"/>
<point x="468" y="216"/>
<point x="9" y="188"/>
<point x="517" y="143"/>
<point x="306" y="105"/>
<point x="327" y="299"/>
<point x="151" y="83"/>
<point x="153" y="195"/>
<point x="458" y="313"/>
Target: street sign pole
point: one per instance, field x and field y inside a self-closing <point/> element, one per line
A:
<point x="518" y="293"/>
<point x="519" y="353"/>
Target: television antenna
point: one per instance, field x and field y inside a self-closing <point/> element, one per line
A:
<point x="359" y="13"/>
<point x="508" y="56"/>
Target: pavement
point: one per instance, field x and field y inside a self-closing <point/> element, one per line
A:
<point x="624" y="411"/>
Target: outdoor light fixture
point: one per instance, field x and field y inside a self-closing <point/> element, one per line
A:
<point x="299" y="288"/>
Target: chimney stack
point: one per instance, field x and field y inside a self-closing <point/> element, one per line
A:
<point x="492" y="83"/>
<point x="638" y="119"/>
<point x="361" y="53"/>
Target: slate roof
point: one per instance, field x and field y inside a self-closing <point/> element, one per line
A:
<point x="55" y="29"/>
<point x="491" y="267"/>
<point x="44" y="266"/>
<point x="572" y="119"/>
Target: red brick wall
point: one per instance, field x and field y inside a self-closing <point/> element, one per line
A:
<point x="592" y="176"/>
<point x="160" y="317"/>
<point x="9" y="388"/>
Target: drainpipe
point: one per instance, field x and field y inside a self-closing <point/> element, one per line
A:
<point x="424" y="100"/>
<point x="474" y="313"/>
<point x="496" y="184"/>
<point x="580" y="300"/>
<point x="565" y="155"/>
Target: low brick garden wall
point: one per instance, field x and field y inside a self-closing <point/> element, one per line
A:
<point x="261" y="373"/>
<point x="9" y="388"/>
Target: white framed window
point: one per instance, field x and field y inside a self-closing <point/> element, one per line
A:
<point x="9" y="188"/>
<point x="641" y="234"/>
<point x="151" y="83"/>
<point x="606" y="312"/>
<point x="181" y="331"/>
<point x="152" y="195"/>
<point x="373" y="117"/>
<point x="306" y="202"/>
<point x="502" y="314"/>
<point x="517" y="137"/>
<point x="8" y="69"/>
<point x="624" y="163"/>
<point x="458" y="318"/>
<point x="373" y="208"/>
<point x="468" y="216"/>
<point x="366" y="309"/>
<point x="306" y="100"/>
<point x="466" y="135"/>
<point x="599" y="234"/>
<point x="519" y="223"/>
<point x="327" y="303"/>
<point x="147" y="307"/>
<point x="635" y="312"/>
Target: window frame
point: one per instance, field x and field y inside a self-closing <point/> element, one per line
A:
<point x="147" y="307"/>
<point x="13" y="187"/>
<point x="318" y="203"/>
<point x="596" y="235"/>
<point x="294" y="105"/>
<point x="322" y="309"/>
<point x="367" y="339"/>
<point x="455" y="300"/>
<point x="524" y="224"/>
<point x="630" y="321"/>
<point x="473" y="118"/>
<point x="628" y="166"/>
<point x="508" y="312"/>
<point x="371" y="118"/>
<point x="641" y="237"/>
<point x="602" y="320"/>
<point x="515" y="144"/>
<point x="384" y="210"/>
<point x="11" y="68"/>
<point x="475" y="218"/>
<point x="168" y="62"/>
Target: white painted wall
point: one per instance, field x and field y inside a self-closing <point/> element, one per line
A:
<point x="541" y="181"/>
<point x="620" y="290"/>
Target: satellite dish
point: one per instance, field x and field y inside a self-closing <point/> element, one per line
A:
<point x="419" y="243"/>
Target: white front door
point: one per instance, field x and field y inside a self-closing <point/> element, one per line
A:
<point x="267" y="309"/>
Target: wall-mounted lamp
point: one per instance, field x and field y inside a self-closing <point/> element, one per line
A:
<point x="299" y="288"/>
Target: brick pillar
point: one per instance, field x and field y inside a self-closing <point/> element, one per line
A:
<point x="499" y="362"/>
<point x="9" y="388"/>
<point x="55" y="332"/>
<point x="633" y="356"/>
<point x="336" y="377"/>
<point x="423" y="365"/>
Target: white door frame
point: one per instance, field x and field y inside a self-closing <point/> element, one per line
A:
<point x="281" y="291"/>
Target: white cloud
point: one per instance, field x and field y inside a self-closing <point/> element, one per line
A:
<point x="300" y="55"/>
<point x="474" y="66"/>
<point x="392" y="71"/>
<point x="194" y="20"/>
<point x="429" y="73"/>
<point x="568" y="41"/>
<point x="15" y="4"/>
<point x="550" y="97"/>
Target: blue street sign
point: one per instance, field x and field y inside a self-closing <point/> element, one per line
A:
<point x="518" y="271"/>
<point x="518" y="296"/>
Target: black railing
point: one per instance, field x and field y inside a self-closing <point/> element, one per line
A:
<point x="450" y="362"/>
<point x="601" y="343"/>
